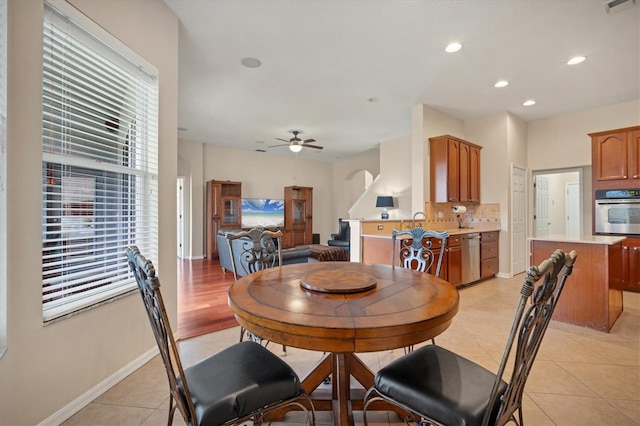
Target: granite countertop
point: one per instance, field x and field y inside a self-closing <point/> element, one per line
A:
<point x="451" y="231"/>
<point x="583" y="238"/>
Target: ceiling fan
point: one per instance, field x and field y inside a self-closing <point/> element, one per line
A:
<point x="296" y="144"/>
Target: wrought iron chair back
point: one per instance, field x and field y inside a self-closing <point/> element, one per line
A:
<point x="529" y="327"/>
<point x="254" y="250"/>
<point x="240" y="397"/>
<point x="500" y="405"/>
<point x="418" y="251"/>
<point x="149" y="286"/>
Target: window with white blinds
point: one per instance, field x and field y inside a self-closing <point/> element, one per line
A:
<point x="3" y="175"/>
<point x="99" y="163"/>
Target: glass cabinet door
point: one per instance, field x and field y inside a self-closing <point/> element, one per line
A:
<point x="231" y="210"/>
<point x="298" y="210"/>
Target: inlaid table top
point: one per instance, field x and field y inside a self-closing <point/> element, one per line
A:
<point x="396" y="307"/>
<point x="342" y="308"/>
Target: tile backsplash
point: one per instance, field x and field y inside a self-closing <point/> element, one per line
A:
<point x="441" y="215"/>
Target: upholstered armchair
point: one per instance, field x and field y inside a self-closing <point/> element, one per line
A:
<point x="341" y="239"/>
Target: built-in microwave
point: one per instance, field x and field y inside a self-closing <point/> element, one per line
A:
<point x="617" y="211"/>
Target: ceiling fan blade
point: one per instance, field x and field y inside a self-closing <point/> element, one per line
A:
<point x="313" y="146"/>
<point x="282" y="144"/>
<point x="309" y="140"/>
<point x="283" y="140"/>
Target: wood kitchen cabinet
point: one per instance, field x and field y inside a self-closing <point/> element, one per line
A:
<point x="455" y="170"/>
<point x="631" y="264"/>
<point x="488" y="254"/>
<point x="223" y="210"/>
<point x="452" y="262"/>
<point x="298" y="216"/>
<point x="615" y="157"/>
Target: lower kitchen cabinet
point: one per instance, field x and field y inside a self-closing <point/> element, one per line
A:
<point x="631" y="264"/>
<point x="488" y="254"/>
<point x="453" y="260"/>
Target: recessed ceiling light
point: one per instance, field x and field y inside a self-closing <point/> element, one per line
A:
<point x="374" y="99"/>
<point x="251" y="62"/>
<point x="453" y="47"/>
<point x="501" y="83"/>
<point x="529" y="102"/>
<point x="576" y="60"/>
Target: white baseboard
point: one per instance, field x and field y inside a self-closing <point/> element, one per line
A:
<point x="86" y="398"/>
<point x="503" y="275"/>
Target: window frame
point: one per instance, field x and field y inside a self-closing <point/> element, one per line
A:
<point x="89" y="75"/>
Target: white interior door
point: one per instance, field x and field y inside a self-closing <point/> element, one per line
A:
<point x="518" y="219"/>
<point x="541" y="200"/>
<point x="573" y="209"/>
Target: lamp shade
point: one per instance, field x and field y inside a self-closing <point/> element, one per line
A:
<point x="384" y="201"/>
<point x="295" y="148"/>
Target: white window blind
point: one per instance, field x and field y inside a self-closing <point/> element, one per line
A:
<point x="99" y="164"/>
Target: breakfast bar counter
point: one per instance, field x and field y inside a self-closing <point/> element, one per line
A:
<point x="594" y="297"/>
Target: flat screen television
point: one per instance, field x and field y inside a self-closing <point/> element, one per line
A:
<point x="262" y="212"/>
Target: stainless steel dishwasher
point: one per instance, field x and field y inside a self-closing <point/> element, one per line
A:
<point x="470" y="257"/>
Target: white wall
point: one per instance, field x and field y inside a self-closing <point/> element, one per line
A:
<point x="47" y="367"/>
<point x="394" y="180"/>
<point x="264" y="175"/>
<point x="563" y="141"/>
<point x="343" y="171"/>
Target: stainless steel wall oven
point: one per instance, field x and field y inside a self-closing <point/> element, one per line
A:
<point x="617" y="211"/>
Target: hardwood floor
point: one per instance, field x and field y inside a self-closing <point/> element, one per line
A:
<point x="202" y="298"/>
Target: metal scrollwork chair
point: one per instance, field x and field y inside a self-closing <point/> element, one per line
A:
<point x="253" y="251"/>
<point x="243" y="382"/>
<point x="419" y="252"/>
<point x="438" y="386"/>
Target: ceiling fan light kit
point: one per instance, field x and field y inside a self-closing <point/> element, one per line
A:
<point x="296" y="144"/>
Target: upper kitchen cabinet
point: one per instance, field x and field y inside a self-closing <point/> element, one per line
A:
<point x="615" y="156"/>
<point x="455" y="170"/>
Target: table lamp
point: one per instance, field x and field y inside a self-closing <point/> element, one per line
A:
<point x="384" y="202"/>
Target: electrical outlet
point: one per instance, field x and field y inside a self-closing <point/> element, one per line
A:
<point x="440" y="214"/>
<point x="380" y="227"/>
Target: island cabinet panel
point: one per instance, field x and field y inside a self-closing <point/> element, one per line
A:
<point x="631" y="264"/>
<point x="592" y="296"/>
<point x="454" y="170"/>
<point x="615" y="157"/>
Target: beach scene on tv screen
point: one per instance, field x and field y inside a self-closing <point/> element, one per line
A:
<point x="262" y="212"/>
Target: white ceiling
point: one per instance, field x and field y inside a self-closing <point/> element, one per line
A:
<point x="323" y="60"/>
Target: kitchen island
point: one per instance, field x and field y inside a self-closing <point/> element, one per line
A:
<point x="592" y="296"/>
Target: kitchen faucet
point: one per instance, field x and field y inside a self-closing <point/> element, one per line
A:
<point x="413" y="225"/>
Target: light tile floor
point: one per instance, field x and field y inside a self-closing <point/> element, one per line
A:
<point x="581" y="376"/>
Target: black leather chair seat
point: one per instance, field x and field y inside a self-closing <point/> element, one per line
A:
<point x="429" y="381"/>
<point x="253" y="377"/>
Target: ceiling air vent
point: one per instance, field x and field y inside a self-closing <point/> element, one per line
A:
<point x="615" y="6"/>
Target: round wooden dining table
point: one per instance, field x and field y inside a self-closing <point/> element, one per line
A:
<point x="341" y="308"/>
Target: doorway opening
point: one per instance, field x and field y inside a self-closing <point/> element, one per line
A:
<point x="558" y="202"/>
